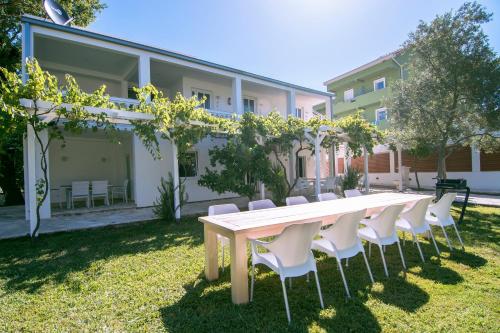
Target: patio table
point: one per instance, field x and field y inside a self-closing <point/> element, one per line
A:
<point x="239" y="227"/>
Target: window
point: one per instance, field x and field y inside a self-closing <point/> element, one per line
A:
<point x="381" y="114"/>
<point x="200" y="94"/>
<point x="249" y="104"/>
<point x="379" y="84"/>
<point x="188" y="165"/>
<point x="348" y="95"/>
<point x="299" y="112"/>
<point x="301" y="169"/>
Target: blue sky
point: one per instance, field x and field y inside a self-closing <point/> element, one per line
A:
<point x="305" y="42"/>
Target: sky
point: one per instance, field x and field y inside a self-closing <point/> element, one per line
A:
<point x="305" y="42"/>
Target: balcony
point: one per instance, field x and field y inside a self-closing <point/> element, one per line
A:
<point x="360" y="101"/>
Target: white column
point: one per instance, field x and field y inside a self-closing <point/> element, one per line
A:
<point x="317" y="156"/>
<point x="144" y="70"/>
<point x="237" y="96"/>
<point x="329" y="108"/>
<point x="290" y="111"/>
<point x="290" y="103"/>
<point x="392" y="167"/>
<point x="27" y="48"/>
<point x="30" y="187"/>
<point x="366" y="180"/>
<point x="45" y="211"/>
<point x="476" y="159"/>
<point x="400" y="167"/>
<point x="175" y="175"/>
<point x="262" y="191"/>
<point x="331" y="159"/>
<point x="335" y="161"/>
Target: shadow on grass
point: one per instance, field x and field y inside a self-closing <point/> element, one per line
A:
<point x="28" y="266"/>
<point x="207" y="306"/>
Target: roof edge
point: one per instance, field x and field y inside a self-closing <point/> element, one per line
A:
<point x="120" y="41"/>
<point x="363" y="67"/>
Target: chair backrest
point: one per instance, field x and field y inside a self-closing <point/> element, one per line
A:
<point x="416" y="214"/>
<point x="330" y="183"/>
<point x="385" y="223"/>
<point x="80" y="188"/>
<point x="352" y="193"/>
<point x="99" y="186"/>
<point x="327" y="196"/>
<point x="125" y="184"/>
<point x="293" y="246"/>
<point x="223" y="209"/>
<point x="302" y="184"/>
<point x="442" y="208"/>
<point x="344" y="232"/>
<point x="261" y="204"/>
<point x="299" y="200"/>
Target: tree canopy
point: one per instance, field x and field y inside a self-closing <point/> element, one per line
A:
<point x="451" y="97"/>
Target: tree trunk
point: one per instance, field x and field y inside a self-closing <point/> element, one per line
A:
<point x="441" y="167"/>
<point x="416" y="179"/>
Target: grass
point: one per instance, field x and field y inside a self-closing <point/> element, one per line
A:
<point x="149" y="277"/>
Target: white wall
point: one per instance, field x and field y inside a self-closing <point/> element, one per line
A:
<point x="89" y="159"/>
<point x="223" y="92"/>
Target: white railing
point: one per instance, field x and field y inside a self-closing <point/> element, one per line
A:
<point x="221" y="114"/>
<point x="125" y="102"/>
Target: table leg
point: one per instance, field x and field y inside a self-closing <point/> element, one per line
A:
<point x="211" y="254"/>
<point x="239" y="269"/>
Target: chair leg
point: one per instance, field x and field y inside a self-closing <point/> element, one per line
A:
<point x="383" y="261"/>
<point x="347" y="262"/>
<point x="458" y="235"/>
<point x="286" y="301"/>
<point x="401" y="253"/>
<point x="368" y="267"/>
<point x="434" y="241"/>
<point x="252" y="282"/>
<point x="447" y="239"/>
<point x="419" y="249"/>
<point x="319" y="290"/>
<point x="339" y="261"/>
<point x="369" y="249"/>
<point x="290" y="282"/>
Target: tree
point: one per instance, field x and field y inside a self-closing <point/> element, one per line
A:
<point x="452" y="94"/>
<point x="12" y="128"/>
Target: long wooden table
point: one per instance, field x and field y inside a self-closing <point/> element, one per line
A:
<point x="238" y="227"/>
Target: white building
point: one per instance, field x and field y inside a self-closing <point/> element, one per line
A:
<point x="95" y="59"/>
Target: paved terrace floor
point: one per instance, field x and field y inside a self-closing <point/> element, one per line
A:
<point x="13" y="224"/>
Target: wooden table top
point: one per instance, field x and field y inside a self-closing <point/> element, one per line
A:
<point x="314" y="211"/>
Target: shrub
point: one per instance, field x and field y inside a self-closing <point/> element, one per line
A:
<point x="164" y="207"/>
<point x="350" y="180"/>
<point x="278" y="185"/>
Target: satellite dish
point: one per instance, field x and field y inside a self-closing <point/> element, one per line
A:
<point x="56" y="12"/>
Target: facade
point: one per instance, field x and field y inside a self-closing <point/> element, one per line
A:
<point x="364" y="90"/>
<point x="95" y="59"/>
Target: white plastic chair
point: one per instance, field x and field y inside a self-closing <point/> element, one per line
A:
<point x="261" y="204"/>
<point x="352" y="193"/>
<point x="100" y="190"/>
<point x="80" y="190"/>
<point x="302" y="185"/>
<point x="219" y="210"/>
<point x="298" y="200"/>
<point x="120" y="191"/>
<point x="341" y="241"/>
<point x="439" y="215"/>
<point x="289" y="256"/>
<point x="327" y="196"/>
<point x="413" y="221"/>
<point x="329" y="184"/>
<point x="381" y="230"/>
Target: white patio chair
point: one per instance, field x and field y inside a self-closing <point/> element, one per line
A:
<point x="381" y="230"/>
<point x="352" y="193"/>
<point x="327" y="196"/>
<point x="329" y="184"/>
<point x="439" y="215"/>
<point x="413" y="221"/>
<point x="219" y="210"/>
<point x="302" y="185"/>
<point x="261" y="204"/>
<point x="100" y="190"/>
<point x="120" y="191"/>
<point x="298" y="200"/>
<point x="289" y="256"/>
<point x="341" y="241"/>
<point x="80" y="190"/>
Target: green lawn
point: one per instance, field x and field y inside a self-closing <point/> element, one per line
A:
<point x="149" y="277"/>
